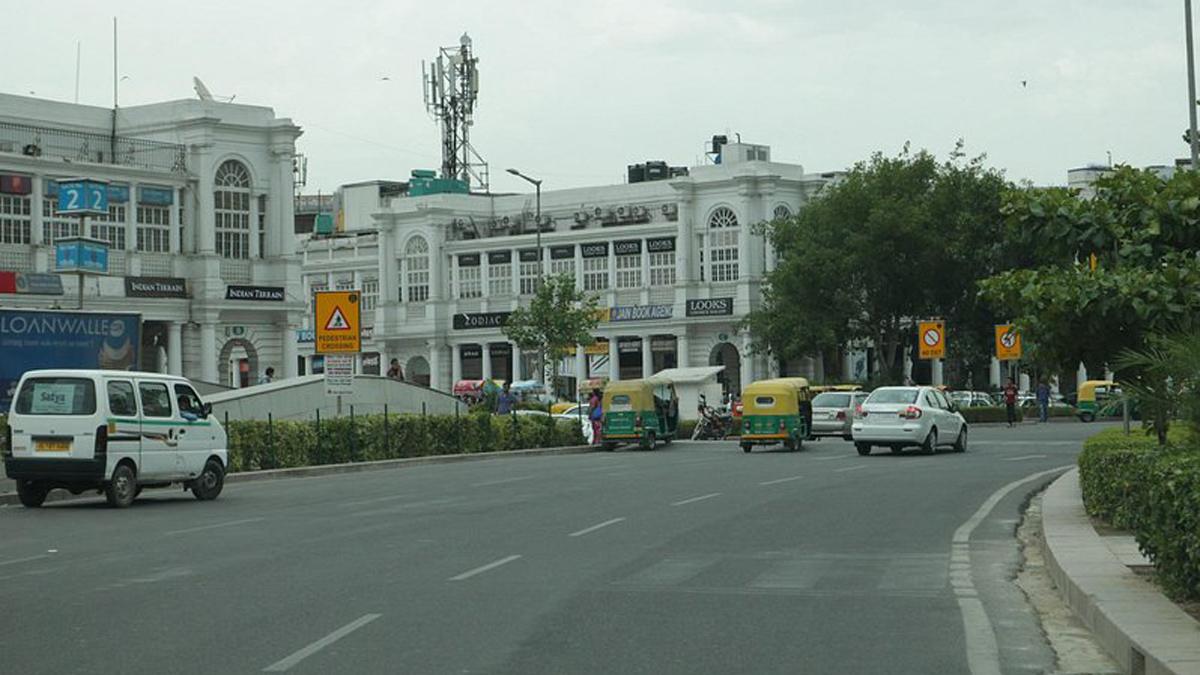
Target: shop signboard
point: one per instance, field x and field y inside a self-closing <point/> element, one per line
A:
<point x="480" y="320"/>
<point x="710" y="307"/>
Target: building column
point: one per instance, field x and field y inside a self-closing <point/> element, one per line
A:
<point x="131" y="218"/>
<point x="435" y="365"/>
<point x="1081" y="376"/>
<point x="848" y="363"/>
<point x="819" y="368"/>
<point x="518" y="372"/>
<point x="36" y="223"/>
<point x="255" y="251"/>
<point x="173" y="235"/>
<point x="749" y="372"/>
<point x="208" y="353"/>
<point x="683" y="350"/>
<point x="1023" y="382"/>
<point x="647" y="357"/>
<point x="486" y="352"/>
<point x="205" y="222"/>
<point x="936" y="368"/>
<point x="290" y="367"/>
<point x="994" y="373"/>
<point x="614" y="358"/>
<point x="455" y="365"/>
<point x="284" y="207"/>
<point x="389" y="266"/>
<point x="581" y="369"/>
<point x="174" y="348"/>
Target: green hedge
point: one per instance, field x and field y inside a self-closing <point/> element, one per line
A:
<point x="255" y="445"/>
<point x="1153" y="491"/>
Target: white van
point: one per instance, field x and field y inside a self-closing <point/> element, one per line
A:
<point x="112" y="431"/>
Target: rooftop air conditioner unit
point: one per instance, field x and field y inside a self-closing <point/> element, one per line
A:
<point x="598" y="212"/>
<point x="623" y="211"/>
<point x="670" y="210"/>
<point x="639" y="212"/>
<point x="581" y="217"/>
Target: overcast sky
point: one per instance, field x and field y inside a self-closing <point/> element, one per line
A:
<point x="572" y="92"/>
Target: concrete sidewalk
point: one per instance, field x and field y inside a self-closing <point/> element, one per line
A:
<point x="1143" y="630"/>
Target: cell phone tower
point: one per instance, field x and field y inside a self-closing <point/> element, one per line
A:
<point x="451" y="85"/>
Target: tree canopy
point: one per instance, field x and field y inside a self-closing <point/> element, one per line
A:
<point x="558" y="318"/>
<point x="897" y="240"/>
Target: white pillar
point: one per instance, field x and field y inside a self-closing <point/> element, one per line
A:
<point x="683" y="357"/>
<point x="486" y="351"/>
<point x="819" y="368"/>
<point x="749" y="371"/>
<point x="435" y="365"/>
<point x="36" y="223"/>
<point x="208" y="353"/>
<point x="647" y="357"/>
<point x="131" y="218"/>
<point x="994" y="373"/>
<point x="581" y="371"/>
<point x="455" y="365"/>
<point x="1081" y="376"/>
<point x="848" y="363"/>
<point x="173" y="238"/>
<point x="281" y="211"/>
<point x="291" y="356"/>
<point x="518" y="373"/>
<point x="1023" y="382"/>
<point x="206" y="221"/>
<point x="174" y="348"/>
<point x="614" y="359"/>
<point x="936" y="368"/>
<point x="908" y="367"/>
<point x="254" y="228"/>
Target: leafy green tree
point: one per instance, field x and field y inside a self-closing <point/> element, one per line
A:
<point x="1102" y="272"/>
<point x="897" y="240"/>
<point x="558" y="318"/>
<point x="1163" y="379"/>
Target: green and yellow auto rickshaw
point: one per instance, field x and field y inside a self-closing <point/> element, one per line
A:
<point x="776" y="411"/>
<point x="1098" y="398"/>
<point x="639" y="411"/>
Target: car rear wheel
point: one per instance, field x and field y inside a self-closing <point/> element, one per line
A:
<point x="929" y="447"/>
<point x="960" y="443"/>
<point x="31" y="494"/>
<point x="863" y="448"/>
<point x="122" y="489"/>
<point x="210" y="481"/>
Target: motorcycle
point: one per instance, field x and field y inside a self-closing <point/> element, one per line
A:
<point x="713" y="425"/>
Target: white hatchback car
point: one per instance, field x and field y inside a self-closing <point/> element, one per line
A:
<point x="900" y="417"/>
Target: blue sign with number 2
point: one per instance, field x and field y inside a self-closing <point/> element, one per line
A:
<point x="82" y="197"/>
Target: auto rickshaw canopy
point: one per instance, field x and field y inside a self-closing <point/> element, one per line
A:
<point x="780" y="396"/>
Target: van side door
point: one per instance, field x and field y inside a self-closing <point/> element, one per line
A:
<point x="158" y="426"/>
<point x="124" y="423"/>
<point x="196" y="434"/>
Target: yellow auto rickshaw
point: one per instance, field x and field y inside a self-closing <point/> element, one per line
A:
<point x="820" y="388"/>
<point x="1097" y="398"/>
<point x="639" y="411"/>
<point x="776" y="411"/>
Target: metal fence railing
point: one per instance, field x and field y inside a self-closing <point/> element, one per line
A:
<point x="81" y="146"/>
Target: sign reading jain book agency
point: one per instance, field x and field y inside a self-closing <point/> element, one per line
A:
<point x="155" y="287"/>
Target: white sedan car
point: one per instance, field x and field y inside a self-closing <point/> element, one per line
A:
<point x="900" y="417"/>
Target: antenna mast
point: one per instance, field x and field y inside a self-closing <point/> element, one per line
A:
<point x="451" y="85"/>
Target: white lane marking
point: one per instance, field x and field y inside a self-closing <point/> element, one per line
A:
<point x="780" y="480"/>
<point x="374" y="501"/>
<point x="1017" y="459"/>
<point x="297" y="657"/>
<point x="21" y="560"/>
<point x="983" y="655"/>
<point x="502" y="481"/>
<point x="210" y="527"/>
<point x="696" y="499"/>
<point x="480" y="570"/>
<point x="826" y="459"/>
<point x="593" y="528"/>
<point x="850" y="468"/>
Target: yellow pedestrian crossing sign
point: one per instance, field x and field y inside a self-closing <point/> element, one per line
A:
<point x="337" y="322"/>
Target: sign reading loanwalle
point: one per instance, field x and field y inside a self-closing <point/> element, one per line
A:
<point x="155" y="287"/>
<point x="481" y="320"/>
<point x="710" y="307"/>
<point x="272" y="293"/>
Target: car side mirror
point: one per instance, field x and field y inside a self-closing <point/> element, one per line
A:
<point x="205" y="410"/>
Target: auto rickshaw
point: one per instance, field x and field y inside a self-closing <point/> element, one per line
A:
<point x="473" y="391"/>
<point x="1097" y="398"/>
<point x="642" y="411"/>
<point x="820" y="388"/>
<point x="775" y="411"/>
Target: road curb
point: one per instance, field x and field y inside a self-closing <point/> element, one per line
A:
<point x="9" y="498"/>
<point x="1143" y="630"/>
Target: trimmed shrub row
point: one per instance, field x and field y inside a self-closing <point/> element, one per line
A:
<point x="256" y="445"/>
<point x="1153" y="491"/>
<point x="999" y="413"/>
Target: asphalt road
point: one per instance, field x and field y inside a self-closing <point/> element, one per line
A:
<point x="695" y="558"/>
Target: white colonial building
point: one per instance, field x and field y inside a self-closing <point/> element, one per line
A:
<point x="200" y="226"/>
<point x="676" y="262"/>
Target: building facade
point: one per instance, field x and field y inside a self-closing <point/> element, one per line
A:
<point x="199" y="226"/>
<point x="677" y="264"/>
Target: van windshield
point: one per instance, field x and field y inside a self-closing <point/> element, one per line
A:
<point x="56" y="396"/>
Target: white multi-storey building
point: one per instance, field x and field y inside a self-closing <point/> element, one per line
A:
<point x="200" y="226"/>
<point x="677" y="263"/>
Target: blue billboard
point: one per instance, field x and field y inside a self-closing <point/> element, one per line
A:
<point x="79" y="254"/>
<point x="31" y="340"/>
<point x="82" y="197"/>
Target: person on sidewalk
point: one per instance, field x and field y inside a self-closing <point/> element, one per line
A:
<point x="268" y="376"/>
<point x="595" y="415"/>
<point x="1043" y="401"/>
<point x="506" y="402"/>
<point x="394" y="372"/>
<point x="1010" y="401"/>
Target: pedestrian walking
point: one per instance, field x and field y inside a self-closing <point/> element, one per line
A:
<point x="595" y="414"/>
<point x="506" y="401"/>
<point x="1043" y="401"/>
<point x="1010" y="401"/>
<point x="268" y="376"/>
<point x="394" y="372"/>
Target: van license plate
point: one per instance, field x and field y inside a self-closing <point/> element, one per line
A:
<point x="52" y="446"/>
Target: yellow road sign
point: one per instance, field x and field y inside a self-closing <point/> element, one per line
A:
<point x="1008" y="343"/>
<point x="932" y="335"/>
<point x="337" y="322"/>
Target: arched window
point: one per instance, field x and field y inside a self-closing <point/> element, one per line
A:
<point x="723" y="245"/>
<point x="416" y="269"/>
<point x="782" y="212"/>
<point x="232" y="200"/>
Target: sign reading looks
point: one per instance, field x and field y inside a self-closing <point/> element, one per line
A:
<point x="710" y="307"/>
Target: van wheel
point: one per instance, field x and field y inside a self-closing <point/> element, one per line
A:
<point x="31" y="494"/>
<point x="210" y="481"/>
<point x="122" y="489"/>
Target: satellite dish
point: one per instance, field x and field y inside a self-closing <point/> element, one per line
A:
<point x="201" y="90"/>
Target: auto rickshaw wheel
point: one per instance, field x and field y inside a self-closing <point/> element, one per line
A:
<point x="608" y="446"/>
<point x="746" y="447"/>
<point x="1087" y="416"/>
<point x="649" y="441"/>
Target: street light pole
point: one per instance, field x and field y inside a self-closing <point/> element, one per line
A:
<point x="537" y="219"/>
<point x="1191" y="69"/>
